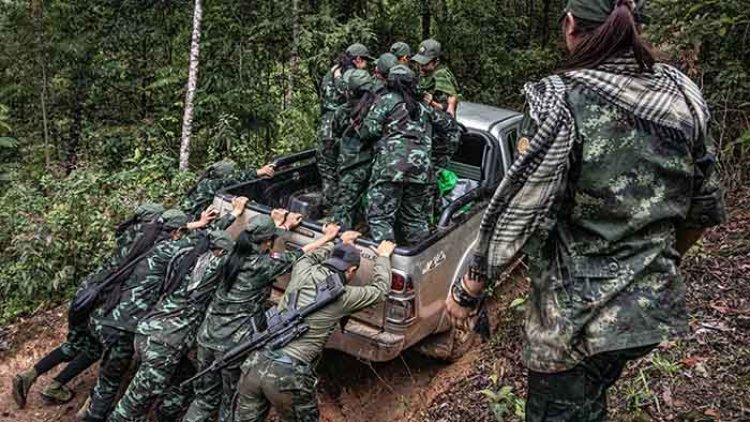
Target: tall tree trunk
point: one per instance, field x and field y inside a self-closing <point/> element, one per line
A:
<point x="70" y="160"/>
<point x="545" y="21"/>
<point x="293" y="57"/>
<point x="187" y="118"/>
<point x="425" y="11"/>
<point x="38" y="13"/>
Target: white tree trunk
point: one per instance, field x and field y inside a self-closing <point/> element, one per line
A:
<point x="294" y="56"/>
<point x="187" y="119"/>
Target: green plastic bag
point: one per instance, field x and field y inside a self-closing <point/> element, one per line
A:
<point x="446" y="181"/>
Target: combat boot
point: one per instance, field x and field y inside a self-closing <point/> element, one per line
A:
<point x="22" y="384"/>
<point x="57" y="394"/>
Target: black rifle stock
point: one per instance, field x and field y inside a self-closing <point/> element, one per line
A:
<point x="281" y="328"/>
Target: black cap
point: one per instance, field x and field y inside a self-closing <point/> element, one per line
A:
<point x="343" y="257"/>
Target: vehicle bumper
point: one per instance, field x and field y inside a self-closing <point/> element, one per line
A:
<point x="367" y="342"/>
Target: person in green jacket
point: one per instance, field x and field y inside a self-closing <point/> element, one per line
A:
<point x="126" y="302"/>
<point x="355" y="154"/>
<point x="238" y="303"/>
<point x="81" y="349"/>
<point x="332" y="99"/>
<point x="217" y="176"/>
<point x="285" y="378"/>
<point x="437" y="85"/>
<point x="400" y="190"/>
<point x="166" y="335"/>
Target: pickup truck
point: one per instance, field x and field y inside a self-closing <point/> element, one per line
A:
<point x="413" y="314"/>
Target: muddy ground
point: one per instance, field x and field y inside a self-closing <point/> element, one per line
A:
<point x="703" y="377"/>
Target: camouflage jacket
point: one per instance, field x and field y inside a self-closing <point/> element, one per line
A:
<point x="307" y="274"/>
<point x="123" y="245"/>
<point x="228" y="320"/>
<point x="140" y="292"/>
<point x="403" y="150"/>
<point x="175" y="320"/>
<point x="606" y="276"/>
<point x="205" y="190"/>
<point x="332" y="92"/>
<point x="441" y="84"/>
<point x="446" y="137"/>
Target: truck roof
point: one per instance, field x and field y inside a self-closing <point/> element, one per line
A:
<point x="482" y="117"/>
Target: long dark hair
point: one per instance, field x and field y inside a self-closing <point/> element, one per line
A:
<point x="362" y="106"/>
<point x="346" y="62"/>
<point x="407" y="89"/>
<point x="243" y="247"/>
<point x="598" y="42"/>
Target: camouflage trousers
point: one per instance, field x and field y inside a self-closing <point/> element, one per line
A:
<point x="115" y="363"/>
<point x="270" y="378"/>
<point x="214" y="392"/>
<point x="161" y="370"/>
<point x="326" y="158"/>
<point x="80" y="340"/>
<point x="351" y="189"/>
<point x="406" y="206"/>
<point x="578" y="394"/>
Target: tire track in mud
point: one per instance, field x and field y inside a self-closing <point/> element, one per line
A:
<point x="349" y="389"/>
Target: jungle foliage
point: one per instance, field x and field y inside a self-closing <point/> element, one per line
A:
<point x="91" y="98"/>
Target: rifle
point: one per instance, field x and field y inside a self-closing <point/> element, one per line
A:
<point x="281" y="326"/>
<point x="86" y="300"/>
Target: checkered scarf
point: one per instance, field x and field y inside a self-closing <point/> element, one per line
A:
<point x="527" y="197"/>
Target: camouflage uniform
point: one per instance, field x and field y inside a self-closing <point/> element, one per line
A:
<point x="441" y="84"/>
<point x="605" y="281"/>
<point x="167" y="334"/>
<point x="355" y="155"/>
<point x="332" y="97"/>
<point x="400" y="190"/>
<point x="116" y="329"/>
<point x="229" y="320"/>
<point x="218" y="176"/>
<point x="286" y="378"/>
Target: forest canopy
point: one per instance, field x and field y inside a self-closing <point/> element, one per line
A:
<point x="92" y="95"/>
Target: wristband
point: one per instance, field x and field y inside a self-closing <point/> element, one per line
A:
<point x="463" y="298"/>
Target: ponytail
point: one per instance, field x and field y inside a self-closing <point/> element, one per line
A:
<point x="598" y="42"/>
<point x="407" y="89"/>
<point x="243" y="248"/>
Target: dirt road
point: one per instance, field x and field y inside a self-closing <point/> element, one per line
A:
<point x="350" y="390"/>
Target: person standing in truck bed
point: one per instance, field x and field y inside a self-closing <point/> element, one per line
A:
<point x="437" y="85"/>
<point x="332" y="99"/>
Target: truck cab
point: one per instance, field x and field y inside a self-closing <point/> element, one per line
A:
<point x="413" y="314"/>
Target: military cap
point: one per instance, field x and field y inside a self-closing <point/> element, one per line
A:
<point x="173" y="218"/>
<point x="401" y="71"/>
<point x="385" y="62"/>
<point x="401" y="49"/>
<point x="222" y="168"/>
<point x="343" y="257"/>
<point x="262" y="227"/>
<point x="599" y="10"/>
<point x="428" y="50"/>
<point x="359" y="50"/>
<point x="358" y="80"/>
<point x="221" y="239"/>
<point x="148" y="211"/>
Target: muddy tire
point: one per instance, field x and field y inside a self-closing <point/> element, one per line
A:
<point x="449" y="346"/>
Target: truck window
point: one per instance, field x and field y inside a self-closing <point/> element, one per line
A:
<point x="511" y="139"/>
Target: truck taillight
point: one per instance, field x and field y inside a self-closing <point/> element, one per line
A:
<point x="401" y="283"/>
<point x="400" y="311"/>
